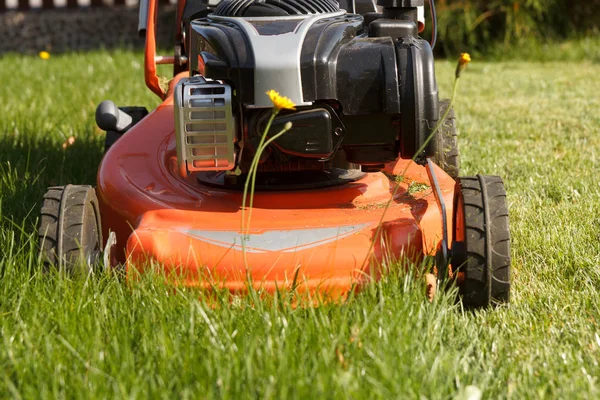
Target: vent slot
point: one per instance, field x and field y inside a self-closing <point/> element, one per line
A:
<point x="206" y="91"/>
<point x="212" y="115"/>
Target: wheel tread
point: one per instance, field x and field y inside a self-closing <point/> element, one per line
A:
<point x="63" y="223"/>
<point x="486" y="270"/>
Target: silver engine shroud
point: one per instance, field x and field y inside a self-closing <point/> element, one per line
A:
<point x="204" y="126"/>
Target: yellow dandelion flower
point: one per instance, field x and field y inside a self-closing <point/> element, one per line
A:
<point x="465" y="58"/>
<point x="280" y="102"/>
<point x="463" y="61"/>
<point x="44" y="55"/>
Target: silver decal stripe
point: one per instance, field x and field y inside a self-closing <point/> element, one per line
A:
<point x="286" y="241"/>
<point x="277" y="58"/>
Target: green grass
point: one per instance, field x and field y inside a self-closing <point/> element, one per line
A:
<point x="537" y="125"/>
<point x="586" y="48"/>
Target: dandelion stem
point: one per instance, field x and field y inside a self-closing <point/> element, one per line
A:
<point x="252" y="167"/>
<point x="253" y="183"/>
<point x="279" y="103"/>
<point x="251" y="180"/>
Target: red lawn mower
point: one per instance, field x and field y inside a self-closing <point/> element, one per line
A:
<point x="335" y="196"/>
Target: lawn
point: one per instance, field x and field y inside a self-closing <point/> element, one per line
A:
<point x="535" y="124"/>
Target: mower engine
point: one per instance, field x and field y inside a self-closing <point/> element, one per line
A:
<point x="364" y="86"/>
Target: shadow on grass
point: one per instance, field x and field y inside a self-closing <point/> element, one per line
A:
<point x="29" y="164"/>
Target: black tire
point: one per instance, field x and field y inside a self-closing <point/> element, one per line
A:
<point x="445" y="143"/>
<point x="70" y="232"/>
<point x="481" y="242"/>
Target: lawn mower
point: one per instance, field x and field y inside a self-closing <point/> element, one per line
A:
<point x="354" y="184"/>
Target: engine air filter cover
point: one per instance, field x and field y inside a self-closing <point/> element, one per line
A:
<point x="204" y="126"/>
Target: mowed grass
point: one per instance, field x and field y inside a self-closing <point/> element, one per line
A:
<point x="536" y="125"/>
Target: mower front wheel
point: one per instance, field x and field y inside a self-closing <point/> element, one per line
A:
<point x="70" y="232"/>
<point x="480" y="254"/>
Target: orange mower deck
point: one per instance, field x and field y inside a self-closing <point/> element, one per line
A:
<point x="322" y="236"/>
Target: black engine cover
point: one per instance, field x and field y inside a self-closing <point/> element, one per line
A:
<point x="382" y="89"/>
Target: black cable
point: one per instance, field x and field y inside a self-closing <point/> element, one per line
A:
<point x="433" y="23"/>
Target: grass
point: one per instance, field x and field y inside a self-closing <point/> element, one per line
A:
<point x="537" y="125"/>
<point x="585" y="48"/>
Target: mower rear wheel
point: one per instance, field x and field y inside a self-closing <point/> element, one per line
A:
<point x="445" y="143"/>
<point x="70" y="233"/>
<point x="481" y="244"/>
